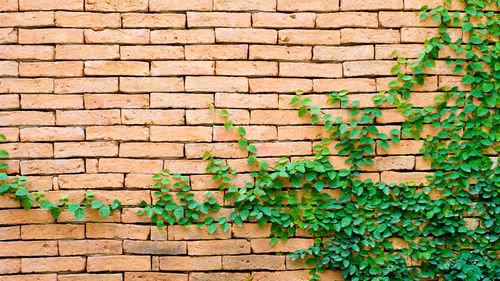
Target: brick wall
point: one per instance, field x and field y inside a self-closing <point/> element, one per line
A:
<point x="100" y="94"/>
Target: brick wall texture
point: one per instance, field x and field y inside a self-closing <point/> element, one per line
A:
<point x="100" y="94"/>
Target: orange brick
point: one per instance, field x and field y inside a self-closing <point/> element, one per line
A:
<point x="353" y="84"/>
<point x="151" y="52"/>
<point x="116" y="5"/>
<point x="11" y="134"/>
<point x="88" y="117"/>
<point x="282" y="20"/>
<point x="417" y="4"/>
<point x="86" y="85"/>
<point x="222" y="247"/>
<point x="251" y="230"/>
<point x="220" y="276"/>
<point x="191" y="36"/>
<point x="430" y="84"/>
<point x="156" y="117"/>
<point x="391" y="163"/>
<point x="295" y="274"/>
<point x="181" y="133"/>
<point x="405" y="178"/>
<point x="28" y="150"/>
<point x="360" y="35"/>
<point x="89" y="277"/>
<point x="23" y="217"/>
<point x="245" y="5"/>
<point x="51" y="101"/>
<point x="123" y="165"/>
<point x="9" y="101"/>
<point x="28" y="248"/>
<point x="28" y="5"/>
<point x="152" y="276"/>
<point x="20" y="118"/>
<point x="350" y="53"/>
<point x="216" y="52"/>
<point x="85" y="149"/>
<point x="29" y="277"/>
<point x="83" y="52"/>
<point x="151" y="84"/>
<point x="90" y="181"/>
<point x="291" y="245"/>
<point x="222" y="150"/>
<point x="87" y="20"/>
<point x="403" y="50"/>
<point x="10" y="266"/>
<point x="292" y="69"/>
<point x="193" y="232"/>
<point x="32" y="19"/>
<point x="26" y="52"/>
<point x="246" y="100"/>
<point x="368" y="68"/>
<point x="117" y="231"/>
<point x="247" y="68"/>
<point x="309" y="37"/>
<point x="419" y="35"/>
<point x="206" y="116"/>
<point x="116" y="68"/>
<point x="50" y="35"/>
<point x="151" y="150"/>
<point x="190" y="263"/>
<point x="371" y="5"/>
<point x="119" y="263"/>
<point x="155" y="247"/>
<point x="253" y="133"/>
<point x="284" y="149"/>
<point x="246" y="35"/>
<point x="280" y="85"/>
<point x="117" y="133"/>
<point x="252" y="262"/>
<point x="258" y="52"/>
<point x="278" y="117"/>
<point x="52" y="264"/>
<point x="173" y="5"/>
<point x="8" y="35"/>
<point x="90" y="247"/>
<point x="9" y="5"/>
<point x="186" y="166"/>
<point x="404" y="19"/>
<point x="154" y="20"/>
<point x="59" y="166"/>
<point x="51" y="69"/>
<point x="143" y="181"/>
<point x="125" y="36"/>
<point x="311" y="5"/>
<point x="404" y="147"/>
<point x="176" y="68"/>
<point x="99" y="101"/>
<point x="36" y="85"/>
<point x="215" y="84"/>
<point x="216" y="19"/>
<point x="347" y="19"/>
<point x="174" y="100"/>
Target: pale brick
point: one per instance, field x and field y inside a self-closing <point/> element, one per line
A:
<point x="280" y="85"/>
<point x="283" y="149"/>
<point x="29" y="277"/>
<point x="193" y="232"/>
<point x="28" y="150"/>
<point x="246" y="100"/>
<point x="117" y="231"/>
<point x="247" y="68"/>
<point x="50" y="35"/>
<point x="119" y="263"/>
<point x="117" y="133"/>
<point x="430" y="84"/>
<point x="35" y="85"/>
<point x="26" y="52"/>
<point x="219" y="276"/>
<point x="260" y="52"/>
<point x="218" y="19"/>
<point x="87" y="20"/>
<point x="11" y="134"/>
<point x="87" y="52"/>
<point x="215" y="84"/>
<point x="244" y="5"/>
<point x="191" y="36"/>
<point x="347" y="19"/>
<point x="175" y="100"/>
<point x="174" y="5"/>
<point x="85" y="85"/>
<point x="405" y="177"/>
<point x="356" y="5"/>
<point x="10" y="266"/>
<point x="97" y="101"/>
<point x="27" y="19"/>
<point x="151" y="84"/>
<point x="252" y="262"/>
<point x="353" y="84"/>
<point x="368" y="68"/>
<point x="30" y="5"/>
<point x="22" y="118"/>
<point x="116" y="68"/>
<point x="8" y="35"/>
<point x="295" y="275"/>
<point x="28" y="248"/>
<point x="310" y="5"/>
<point x="142" y="181"/>
<point x="116" y="5"/>
<point x="417" y="4"/>
<point x="88" y="117"/>
<point x="404" y="50"/>
<point x="20" y="216"/>
<point x="360" y="35"/>
<point x="151" y="150"/>
<point x="155" y="247"/>
<point x="261" y="133"/>
<point x="221" y="247"/>
<point x="89" y="277"/>
<point x="419" y="35"/>
<point x="155" y="276"/>
<point x="204" y="116"/>
<point x="90" y="247"/>
<point x="85" y="149"/>
<point x="151" y="52"/>
<point x="403" y="147"/>
<point x="216" y="52"/>
<point x="53" y="264"/>
<point x="156" y="117"/>
<point x="329" y="70"/>
<point x="404" y="19"/>
<point x="282" y="20"/>
<point x="122" y="165"/>
<point x="85" y="181"/>
<point x="154" y="20"/>
<point x="181" y="133"/>
<point x="9" y="5"/>
<point x="220" y="150"/>
<point x="51" y="69"/>
<point x="124" y="36"/>
<point x="291" y="245"/>
<point x="58" y="166"/>
<point x="176" y="68"/>
<point x="391" y="163"/>
<point x="9" y="101"/>
<point x="190" y="263"/>
<point x="8" y="68"/>
<point x="309" y="37"/>
<point x="246" y="35"/>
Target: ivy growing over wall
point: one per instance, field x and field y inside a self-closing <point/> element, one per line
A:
<point x="356" y="224"/>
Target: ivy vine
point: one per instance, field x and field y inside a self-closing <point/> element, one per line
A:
<point x="369" y="230"/>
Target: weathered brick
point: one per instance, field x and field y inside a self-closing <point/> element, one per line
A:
<point x="193" y="232"/>
<point x="311" y="5"/>
<point x="26" y="52"/>
<point x="216" y="52"/>
<point x="155" y="276"/>
<point x="10" y="266"/>
<point x="430" y="84"/>
<point x="52" y="264"/>
<point x="246" y="35"/>
<point x="419" y="35"/>
<point x="220" y="247"/>
<point x="29" y="5"/>
<point x="353" y="84"/>
<point x="9" y="5"/>
<point x="88" y="117"/>
<point x="85" y="85"/>
<point x="291" y="245"/>
<point x="360" y="35"/>
<point x="191" y="36"/>
<point x="124" y="36"/>
<point x="151" y="84"/>
<point x="309" y="37"/>
<point x="50" y="35"/>
<point x="403" y="147"/>
<point x="9" y="68"/>
<point x="181" y="133"/>
<point x="26" y="85"/>
<point x="280" y="85"/>
<point x="292" y="69"/>
<point x="246" y="100"/>
<point x="85" y="149"/>
<point x="405" y="178"/>
<point x="154" y="20"/>
<point x="206" y="116"/>
<point x="174" y="100"/>
<point x="117" y="133"/>
<point x="151" y="150"/>
<point x="417" y="4"/>
<point x="86" y="52"/>
<point x="245" y="5"/>
<point x="247" y="68"/>
<point x="9" y="101"/>
<point x="347" y="19"/>
<point x="295" y="274"/>
<point x="186" y="166"/>
<point x="218" y="19"/>
<point x="117" y="231"/>
<point x="391" y="163"/>
<point x="252" y="262"/>
<point x="84" y="181"/>
<point x="151" y="52"/>
<point x="371" y="5"/>
<point x="102" y="101"/>
<point x="20" y="216"/>
<point x="51" y="69"/>
<point x="90" y="247"/>
<point x="284" y="148"/>
<point x="58" y="166"/>
<point x="266" y="52"/>
<point x="404" y="19"/>
<point x="8" y="35"/>
<point x="11" y="134"/>
<point x="28" y="248"/>
<point x="368" y="68"/>
<point x="156" y="117"/>
<point x="404" y="50"/>
<point x="118" y="263"/>
<point x="282" y="20"/>
<point x="28" y="150"/>
<point x="87" y="20"/>
<point x="221" y="150"/>
<point x="89" y="277"/>
<point x="116" y="5"/>
<point x="190" y="263"/>
<point x="253" y="133"/>
<point x="51" y="101"/>
<point x="122" y="165"/>
<point x="215" y="84"/>
<point x="29" y="277"/>
<point x="176" y="68"/>
<point x="116" y="68"/>
<point x="27" y="19"/>
<point x="277" y="117"/>
<point x="173" y="5"/>
<point x="155" y="247"/>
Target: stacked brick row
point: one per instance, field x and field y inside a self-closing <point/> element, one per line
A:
<point x="100" y="94"/>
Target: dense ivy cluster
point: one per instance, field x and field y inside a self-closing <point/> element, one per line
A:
<point x="370" y="230"/>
